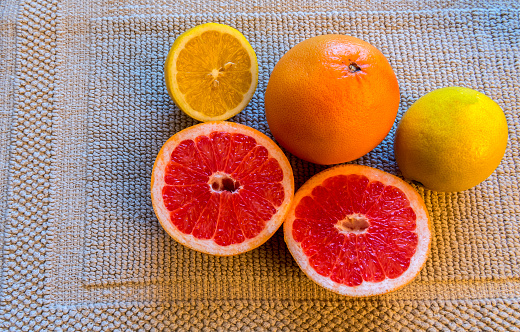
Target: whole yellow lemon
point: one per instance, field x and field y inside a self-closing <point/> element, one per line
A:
<point x="451" y="139"/>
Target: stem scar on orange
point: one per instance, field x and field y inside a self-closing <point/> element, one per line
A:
<point x="331" y="99"/>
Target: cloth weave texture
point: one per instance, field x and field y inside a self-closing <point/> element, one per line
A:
<point x="84" y="111"/>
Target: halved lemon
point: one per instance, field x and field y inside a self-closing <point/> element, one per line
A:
<point x="211" y="72"/>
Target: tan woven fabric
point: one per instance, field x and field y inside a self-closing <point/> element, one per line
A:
<point x="84" y="110"/>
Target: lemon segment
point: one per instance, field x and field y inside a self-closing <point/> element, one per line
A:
<point x="211" y="72"/>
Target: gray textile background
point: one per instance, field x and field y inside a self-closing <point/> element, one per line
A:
<point x="84" y="110"/>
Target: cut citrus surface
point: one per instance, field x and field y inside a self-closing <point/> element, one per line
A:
<point x="358" y="231"/>
<point x="211" y="72"/>
<point x="221" y="188"/>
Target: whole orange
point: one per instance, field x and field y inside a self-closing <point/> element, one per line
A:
<point x="331" y="99"/>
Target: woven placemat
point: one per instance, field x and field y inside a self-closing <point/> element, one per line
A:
<point x="87" y="111"/>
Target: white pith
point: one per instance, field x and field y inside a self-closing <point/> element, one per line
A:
<point x="340" y="225"/>
<point x="218" y="178"/>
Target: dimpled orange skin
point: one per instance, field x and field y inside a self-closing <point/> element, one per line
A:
<point x="331" y="99"/>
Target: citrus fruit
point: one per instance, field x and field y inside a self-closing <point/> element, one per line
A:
<point x="211" y="72"/>
<point x="451" y="139"/>
<point x="221" y="188"/>
<point x="358" y="231"/>
<point x="331" y="99"/>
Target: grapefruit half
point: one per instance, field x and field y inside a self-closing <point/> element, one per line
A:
<point x="221" y="188"/>
<point x="358" y="231"/>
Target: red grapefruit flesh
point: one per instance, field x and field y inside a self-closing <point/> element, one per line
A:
<point x="221" y="188"/>
<point x="358" y="231"/>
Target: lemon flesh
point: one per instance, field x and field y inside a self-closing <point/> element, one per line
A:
<point x="451" y="139"/>
<point x="211" y="72"/>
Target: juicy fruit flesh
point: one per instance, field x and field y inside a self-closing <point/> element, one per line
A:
<point x="223" y="187"/>
<point x="213" y="73"/>
<point x="354" y="230"/>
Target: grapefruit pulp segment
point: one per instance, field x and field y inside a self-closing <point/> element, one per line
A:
<point x="207" y="223"/>
<point x="176" y="197"/>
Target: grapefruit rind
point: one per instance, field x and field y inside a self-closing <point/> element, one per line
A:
<point x="423" y="230"/>
<point x="170" y="70"/>
<point x="209" y="246"/>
